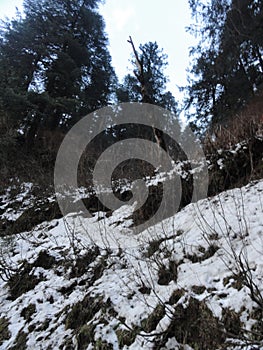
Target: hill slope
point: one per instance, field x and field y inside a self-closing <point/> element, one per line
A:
<point x="194" y="281"/>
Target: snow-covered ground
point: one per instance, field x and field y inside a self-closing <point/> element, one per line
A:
<point x="194" y="279"/>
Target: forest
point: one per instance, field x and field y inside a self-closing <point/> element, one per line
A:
<point x="184" y="239"/>
<point x="57" y="68"/>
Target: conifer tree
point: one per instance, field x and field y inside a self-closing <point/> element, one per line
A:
<point x="227" y="64"/>
<point x="153" y="63"/>
<point x="54" y="64"/>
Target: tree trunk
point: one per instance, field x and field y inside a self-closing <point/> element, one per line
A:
<point x="158" y="134"/>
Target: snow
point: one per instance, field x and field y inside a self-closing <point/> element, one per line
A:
<point x="23" y="198"/>
<point x="231" y="221"/>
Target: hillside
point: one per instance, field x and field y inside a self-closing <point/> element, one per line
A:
<point x="131" y="203"/>
<point x="193" y="281"/>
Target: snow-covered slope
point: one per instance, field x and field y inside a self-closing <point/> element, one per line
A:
<point x="194" y="281"/>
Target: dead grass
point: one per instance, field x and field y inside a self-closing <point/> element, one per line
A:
<point x="245" y="125"/>
<point x="234" y="149"/>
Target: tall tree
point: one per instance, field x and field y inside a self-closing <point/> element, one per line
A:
<point x="228" y="65"/>
<point x="54" y="63"/>
<point x="147" y="85"/>
<point x="148" y="82"/>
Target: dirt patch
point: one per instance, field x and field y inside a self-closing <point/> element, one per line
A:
<point x="82" y="262"/>
<point x="150" y="323"/>
<point x="205" y="254"/>
<point x="155" y="244"/>
<point x="45" y="260"/>
<point x="167" y="274"/>
<point x="198" y="289"/>
<point x="194" y="325"/>
<point x="126" y="337"/>
<point x="28" y="311"/>
<point x="232" y="322"/>
<point x="31" y="217"/>
<point x="22" y="281"/>
<point x="20" y="341"/>
<point x="176" y="296"/>
<point x="83" y="311"/>
<point x="5" y="334"/>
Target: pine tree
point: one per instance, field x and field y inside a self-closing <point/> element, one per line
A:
<point x="228" y="64"/>
<point x="55" y="66"/>
<point x="153" y="64"/>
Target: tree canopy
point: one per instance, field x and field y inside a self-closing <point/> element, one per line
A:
<point x="54" y="64"/>
<point x="153" y="63"/>
<point x="227" y="65"/>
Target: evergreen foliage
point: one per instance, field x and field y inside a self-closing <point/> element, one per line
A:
<point x="228" y="66"/>
<point x="154" y="62"/>
<point x="54" y="65"/>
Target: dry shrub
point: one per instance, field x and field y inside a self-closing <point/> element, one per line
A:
<point x="244" y="126"/>
<point x="194" y="325"/>
<point x="234" y="149"/>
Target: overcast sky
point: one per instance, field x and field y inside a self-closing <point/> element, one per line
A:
<point x="163" y="21"/>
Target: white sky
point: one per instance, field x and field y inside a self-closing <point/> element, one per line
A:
<point x="163" y="21"/>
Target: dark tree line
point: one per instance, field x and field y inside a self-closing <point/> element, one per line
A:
<point x="54" y="65"/>
<point x="227" y="67"/>
<point x="55" y="68"/>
